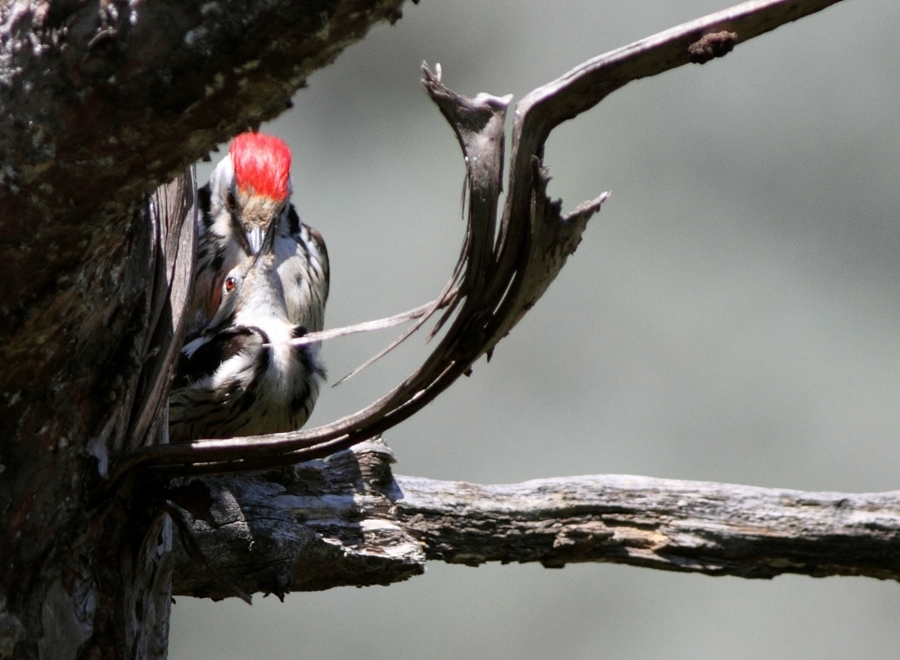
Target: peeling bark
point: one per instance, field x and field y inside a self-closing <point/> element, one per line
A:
<point x="308" y="527"/>
<point x="347" y="521"/>
<point x="87" y="569"/>
<point x="103" y="102"/>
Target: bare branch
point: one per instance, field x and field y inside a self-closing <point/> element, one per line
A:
<point x="346" y="521"/>
<point x="307" y="527"/>
<point x="501" y="273"/>
<point x="693" y="526"/>
<point x="368" y="326"/>
<point x="696" y="41"/>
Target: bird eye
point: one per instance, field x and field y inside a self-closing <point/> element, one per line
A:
<point x="230" y="200"/>
<point x="230" y="282"/>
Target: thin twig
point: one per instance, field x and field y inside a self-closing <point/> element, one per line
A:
<point x="368" y="326"/>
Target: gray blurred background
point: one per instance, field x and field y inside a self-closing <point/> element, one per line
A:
<point x="733" y="314"/>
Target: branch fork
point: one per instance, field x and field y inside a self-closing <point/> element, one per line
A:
<point x="505" y="264"/>
<point x="500" y="274"/>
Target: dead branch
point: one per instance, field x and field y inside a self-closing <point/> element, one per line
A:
<point x="347" y="521"/>
<point x="502" y="271"/>
<point x="102" y="102"/>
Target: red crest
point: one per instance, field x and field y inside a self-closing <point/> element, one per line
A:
<point x="262" y="165"/>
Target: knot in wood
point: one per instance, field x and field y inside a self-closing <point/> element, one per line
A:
<point x="711" y="46"/>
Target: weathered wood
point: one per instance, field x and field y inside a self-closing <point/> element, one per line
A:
<point x="695" y="526"/>
<point x="504" y="267"/>
<point x="313" y="526"/>
<point x="102" y="102"/>
<point x="346" y="521"/>
<point x="85" y="568"/>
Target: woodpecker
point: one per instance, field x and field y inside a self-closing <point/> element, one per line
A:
<point x="249" y="190"/>
<point x="239" y="375"/>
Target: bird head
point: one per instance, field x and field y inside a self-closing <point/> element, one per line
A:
<point x="253" y="186"/>
<point x="252" y="289"/>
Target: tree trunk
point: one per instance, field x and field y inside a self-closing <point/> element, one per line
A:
<point x="86" y="561"/>
<point x="103" y="101"/>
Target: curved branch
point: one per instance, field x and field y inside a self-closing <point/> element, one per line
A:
<point x="696" y="41"/>
<point x="347" y="521"/>
<point x="479" y="124"/>
<point x="501" y="273"/>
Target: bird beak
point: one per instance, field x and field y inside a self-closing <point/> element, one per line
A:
<point x="254" y="239"/>
<point x="257" y="213"/>
<point x="266" y="243"/>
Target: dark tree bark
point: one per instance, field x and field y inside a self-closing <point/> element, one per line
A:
<point x="103" y="102"/>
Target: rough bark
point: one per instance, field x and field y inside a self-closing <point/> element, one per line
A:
<point x="85" y="568"/>
<point x="308" y="527"/>
<point x="103" y="101"/>
<point x="347" y="521"/>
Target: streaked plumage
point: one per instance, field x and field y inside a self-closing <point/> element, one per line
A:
<point x="248" y="189"/>
<point x="261" y="280"/>
<point x="238" y="376"/>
